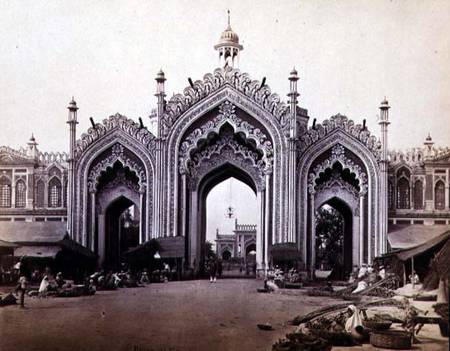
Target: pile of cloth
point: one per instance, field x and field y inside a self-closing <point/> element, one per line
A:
<point x="341" y="329"/>
<point x="322" y="333"/>
<point x="7" y="299"/>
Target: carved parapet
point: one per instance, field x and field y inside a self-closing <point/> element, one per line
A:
<point x="339" y="121"/>
<point x="415" y="157"/>
<point x="11" y="156"/>
<point x="53" y="157"/>
<point x="130" y="127"/>
<point x="261" y="94"/>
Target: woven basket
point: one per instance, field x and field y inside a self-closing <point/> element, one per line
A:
<point x="377" y="325"/>
<point x="442" y="310"/>
<point x="392" y="339"/>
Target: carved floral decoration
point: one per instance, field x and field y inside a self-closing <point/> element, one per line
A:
<point x="226" y="115"/>
<point x="117" y="154"/>
<point x="261" y="94"/>
<point x="336" y="122"/>
<point x="337" y="155"/>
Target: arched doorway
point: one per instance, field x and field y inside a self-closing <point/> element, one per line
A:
<point x="122" y="231"/>
<point x="229" y="150"/>
<point x="226" y="255"/>
<point x="334" y="238"/>
<point x="119" y="215"/>
<point x="209" y="183"/>
<point x="339" y="181"/>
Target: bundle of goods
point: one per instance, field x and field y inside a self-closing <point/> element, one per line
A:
<point x="300" y="341"/>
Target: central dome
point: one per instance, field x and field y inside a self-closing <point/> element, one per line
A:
<point x="228" y="36"/>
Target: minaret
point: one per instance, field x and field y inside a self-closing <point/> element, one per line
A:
<point x="72" y="122"/>
<point x="160" y="135"/>
<point x="292" y="174"/>
<point x="160" y="95"/>
<point x="228" y="47"/>
<point x="428" y="143"/>
<point x="32" y="150"/>
<point x="384" y="163"/>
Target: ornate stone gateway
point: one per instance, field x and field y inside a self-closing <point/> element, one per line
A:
<point x="227" y="125"/>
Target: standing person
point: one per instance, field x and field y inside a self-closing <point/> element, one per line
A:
<point x="212" y="270"/>
<point x="21" y="289"/>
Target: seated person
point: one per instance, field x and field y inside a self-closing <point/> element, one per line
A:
<point x="59" y="280"/>
<point x="43" y="288"/>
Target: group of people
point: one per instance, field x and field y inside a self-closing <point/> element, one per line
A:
<point x="366" y="275"/>
<point x="50" y="285"/>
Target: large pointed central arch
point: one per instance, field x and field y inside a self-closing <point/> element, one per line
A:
<point x="274" y="131"/>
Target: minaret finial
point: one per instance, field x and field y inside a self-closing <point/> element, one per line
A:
<point x="229" y="25"/>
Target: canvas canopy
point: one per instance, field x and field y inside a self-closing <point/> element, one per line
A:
<point x="409" y="236"/>
<point x="37" y="251"/>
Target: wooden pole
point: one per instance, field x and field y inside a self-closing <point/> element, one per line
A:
<point x="412" y="272"/>
<point x="404" y="274"/>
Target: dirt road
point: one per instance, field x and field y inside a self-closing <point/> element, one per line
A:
<point x="190" y="315"/>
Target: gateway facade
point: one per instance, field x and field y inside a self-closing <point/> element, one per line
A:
<point x="226" y="125"/>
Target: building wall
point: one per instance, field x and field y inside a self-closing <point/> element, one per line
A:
<point x="33" y="188"/>
<point x="418" y="186"/>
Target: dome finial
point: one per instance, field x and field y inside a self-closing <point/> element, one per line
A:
<point x="228" y="46"/>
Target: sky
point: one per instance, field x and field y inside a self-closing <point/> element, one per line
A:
<point x="349" y="55"/>
<point x="229" y="193"/>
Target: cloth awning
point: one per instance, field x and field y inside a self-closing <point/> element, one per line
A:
<point x="33" y="232"/>
<point x="37" y="251"/>
<point x="73" y="246"/>
<point x="169" y="247"/>
<point x="7" y="244"/>
<point x="50" y="249"/>
<point x="406" y="254"/>
<point x="408" y="236"/>
<point x="7" y="248"/>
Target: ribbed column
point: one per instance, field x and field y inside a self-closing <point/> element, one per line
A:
<point x="142" y="234"/>
<point x="313" y="234"/>
<point x="292" y="174"/>
<point x="184" y="204"/>
<point x="259" y="230"/>
<point x="447" y="191"/>
<point x="267" y="214"/>
<point x="193" y="234"/>
<point x="93" y="218"/>
<point x="383" y="192"/>
<point x="72" y="122"/>
<point x="361" y="229"/>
